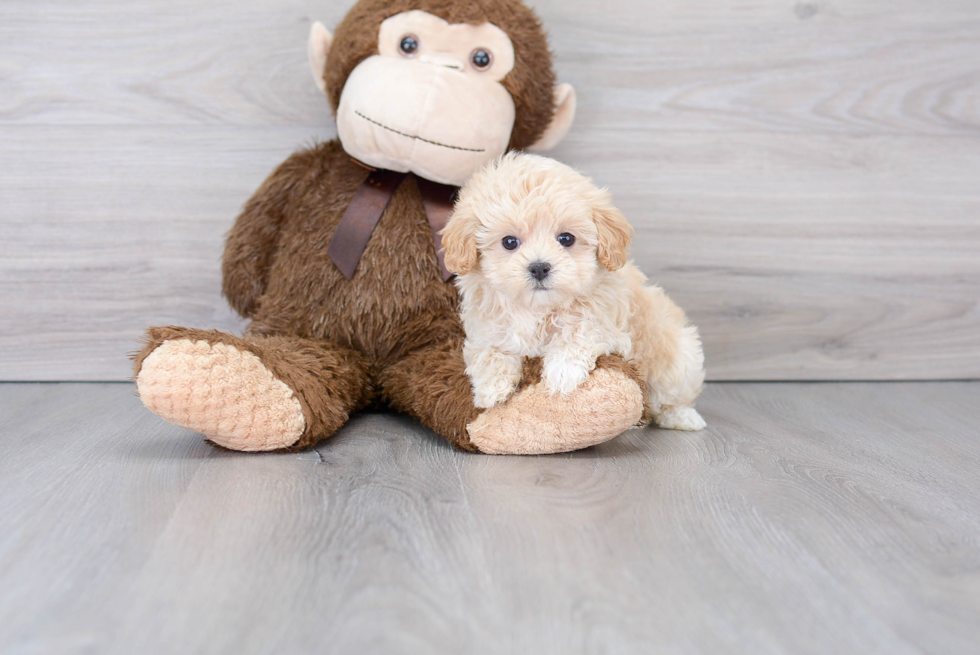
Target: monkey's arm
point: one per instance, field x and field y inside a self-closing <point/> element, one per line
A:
<point x="252" y="241"/>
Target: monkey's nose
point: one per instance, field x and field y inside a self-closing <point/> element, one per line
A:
<point x="539" y="270"/>
<point x="440" y="59"/>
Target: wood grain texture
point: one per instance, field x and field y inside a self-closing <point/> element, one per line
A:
<point x="804" y="177"/>
<point x="807" y="518"/>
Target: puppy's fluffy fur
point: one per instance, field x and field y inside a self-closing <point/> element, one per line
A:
<point x="591" y="302"/>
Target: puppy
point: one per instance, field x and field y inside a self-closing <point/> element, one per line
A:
<point x="540" y="255"/>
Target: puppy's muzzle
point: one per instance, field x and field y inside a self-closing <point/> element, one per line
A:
<point x="539" y="270"/>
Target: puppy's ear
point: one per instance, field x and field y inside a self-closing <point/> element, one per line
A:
<point x="615" y="233"/>
<point x="459" y="241"/>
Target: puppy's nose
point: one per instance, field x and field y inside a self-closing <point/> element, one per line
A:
<point x="539" y="270"/>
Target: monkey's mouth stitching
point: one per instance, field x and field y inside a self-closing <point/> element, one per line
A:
<point x="418" y="138"/>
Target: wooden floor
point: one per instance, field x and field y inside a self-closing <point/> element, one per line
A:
<point x="808" y="518"/>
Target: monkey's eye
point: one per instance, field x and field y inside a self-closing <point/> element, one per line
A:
<point x="409" y="45"/>
<point x="566" y="239"/>
<point x="510" y="243"/>
<point x="481" y="59"/>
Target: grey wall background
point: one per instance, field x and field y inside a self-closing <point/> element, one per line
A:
<point x="804" y="177"/>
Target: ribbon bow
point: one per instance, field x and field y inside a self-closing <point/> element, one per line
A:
<point x="369" y="202"/>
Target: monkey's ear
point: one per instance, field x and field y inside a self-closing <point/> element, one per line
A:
<point x="560" y="122"/>
<point x="320" y="40"/>
<point x="615" y="234"/>
<point x="459" y="242"/>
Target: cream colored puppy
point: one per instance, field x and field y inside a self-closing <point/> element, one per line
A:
<point x="541" y="258"/>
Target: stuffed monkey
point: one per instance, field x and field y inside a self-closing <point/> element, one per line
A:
<point x="336" y="258"/>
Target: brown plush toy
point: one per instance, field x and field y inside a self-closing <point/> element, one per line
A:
<point x="336" y="258"/>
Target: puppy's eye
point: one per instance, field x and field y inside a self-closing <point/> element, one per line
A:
<point x="409" y="45"/>
<point x="510" y="243"/>
<point x="566" y="239"/>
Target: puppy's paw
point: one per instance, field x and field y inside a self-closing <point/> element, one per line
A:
<point x="680" y="418"/>
<point x="493" y="391"/>
<point x="564" y="374"/>
<point x="493" y="374"/>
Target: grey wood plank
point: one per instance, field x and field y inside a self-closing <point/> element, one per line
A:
<point x="803" y="176"/>
<point x="711" y="65"/>
<point x="757" y="236"/>
<point x="808" y="518"/>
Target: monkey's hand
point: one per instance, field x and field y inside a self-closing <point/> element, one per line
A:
<point x="534" y="422"/>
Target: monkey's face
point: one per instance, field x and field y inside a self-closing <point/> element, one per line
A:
<point x="431" y="101"/>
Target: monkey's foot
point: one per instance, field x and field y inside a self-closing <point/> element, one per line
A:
<point x="535" y="422"/>
<point x="224" y="393"/>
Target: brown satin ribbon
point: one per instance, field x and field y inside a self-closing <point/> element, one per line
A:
<point x="367" y="205"/>
<point x="360" y="218"/>
<point x="438" y="200"/>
